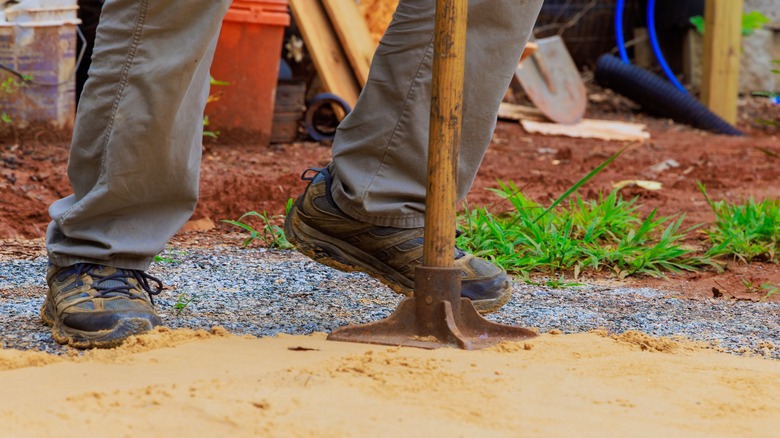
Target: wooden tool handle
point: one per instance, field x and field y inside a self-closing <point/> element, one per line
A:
<point x="444" y="139"/>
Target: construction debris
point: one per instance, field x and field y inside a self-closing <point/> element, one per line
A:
<point x="354" y="36"/>
<point x="589" y="128"/>
<point x="323" y="45"/>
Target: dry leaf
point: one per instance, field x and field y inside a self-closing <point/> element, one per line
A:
<point x="647" y="185"/>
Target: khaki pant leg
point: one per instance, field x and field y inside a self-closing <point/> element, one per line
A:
<point x="135" y="153"/>
<point x="380" y="149"/>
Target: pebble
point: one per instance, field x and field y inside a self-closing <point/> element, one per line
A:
<point x="263" y="292"/>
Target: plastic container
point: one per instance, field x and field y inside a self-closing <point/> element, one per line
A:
<point x="39" y="43"/>
<point x="20" y="15"/>
<point x="247" y="57"/>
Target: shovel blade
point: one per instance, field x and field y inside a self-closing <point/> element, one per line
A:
<point x="552" y="82"/>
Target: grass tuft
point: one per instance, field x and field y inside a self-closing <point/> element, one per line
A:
<point x="745" y="232"/>
<point x="597" y="234"/>
<point x="272" y="235"/>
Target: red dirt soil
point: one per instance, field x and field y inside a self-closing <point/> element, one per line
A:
<point x="237" y="178"/>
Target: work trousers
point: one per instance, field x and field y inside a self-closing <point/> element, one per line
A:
<point x="136" y="147"/>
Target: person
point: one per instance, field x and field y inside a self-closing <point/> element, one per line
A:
<point x="136" y="146"/>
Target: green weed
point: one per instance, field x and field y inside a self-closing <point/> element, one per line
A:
<point x="213" y="97"/>
<point x="751" y="21"/>
<point x="746" y="232"/>
<point x="10" y="86"/>
<point x="182" y="301"/>
<point x="270" y="234"/>
<point x="770" y="290"/>
<point x="597" y="234"/>
<point x="603" y="233"/>
<point x="769" y="153"/>
<point x="206" y="132"/>
<point x="168" y="257"/>
<point x="555" y="283"/>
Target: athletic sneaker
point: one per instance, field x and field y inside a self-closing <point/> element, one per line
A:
<point x="95" y="306"/>
<point x="321" y="231"/>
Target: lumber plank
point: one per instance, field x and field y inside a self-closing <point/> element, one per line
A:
<point x="722" y="49"/>
<point x="325" y="50"/>
<point x="510" y="111"/>
<point x="590" y="128"/>
<point x="352" y="31"/>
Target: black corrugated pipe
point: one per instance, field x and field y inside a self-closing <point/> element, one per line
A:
<point x="657" y="96"/>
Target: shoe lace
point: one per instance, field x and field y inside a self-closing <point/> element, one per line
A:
<point x="459" y="253"/>
<point x="325" y="175"/>
<point x="117" y="283"/>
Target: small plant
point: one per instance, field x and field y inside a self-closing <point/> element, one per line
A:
<point x="182" y="301"/>
<point x="553" y="283"/>
<point x="9" y="87"/>
<point x="270" y="234"/>
<point x="769" y="153"/>
<point x="206" y="132"/>
<point x="770" y="290"/>
<point x="747" y="232"/>
<point x="168" y="257"/>
<point x="751" y="21"/>
<point x="212" y="98"/>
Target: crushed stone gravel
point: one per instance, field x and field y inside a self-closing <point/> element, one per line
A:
<point x="263" y="292"/>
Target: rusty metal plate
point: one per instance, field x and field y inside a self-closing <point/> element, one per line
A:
<point x="436" y="317"/>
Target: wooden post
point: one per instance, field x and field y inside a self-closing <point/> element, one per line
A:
<point x="444" y="138"/>
<point x="722" y="53"/>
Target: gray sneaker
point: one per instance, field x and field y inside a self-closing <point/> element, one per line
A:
<point x="95" y="306"/>
<point x="321" y="231"/>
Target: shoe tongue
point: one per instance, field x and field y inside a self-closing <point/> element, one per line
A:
<point x="459" y="253"/>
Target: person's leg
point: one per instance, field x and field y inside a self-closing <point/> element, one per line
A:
<point x="136" y="148"/>
<point x="134" y="165"/>
<point x="365" y="212"/>
<point x="380" y="149"/>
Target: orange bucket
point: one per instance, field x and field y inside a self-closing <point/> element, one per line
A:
<point x="247" y="56"/>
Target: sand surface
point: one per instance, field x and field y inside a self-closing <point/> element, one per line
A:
<point x="188" y="383"/>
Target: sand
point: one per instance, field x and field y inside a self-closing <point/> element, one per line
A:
<point x="194" y="383"/>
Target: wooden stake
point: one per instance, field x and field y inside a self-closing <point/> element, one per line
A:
<point x="722" y="52"/>
<point x="444" y="139"/>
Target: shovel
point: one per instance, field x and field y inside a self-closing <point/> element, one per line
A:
<point x="437" y="316"/>
<point x="552" y="82"/>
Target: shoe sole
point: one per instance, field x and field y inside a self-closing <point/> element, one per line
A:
<point x="98" y="339"/>
<point x="340" y="255"/>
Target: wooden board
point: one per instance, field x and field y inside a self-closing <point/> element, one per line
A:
<point x="352" y="32"/>
<point x="722" y="49"/>
<point x="324" y="48"/>
<point x="511" y="111"/>
<point x="589" y="128"/>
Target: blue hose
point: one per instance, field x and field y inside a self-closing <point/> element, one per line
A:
<point x="620" y="7"/>
<point x="657" y="49"/>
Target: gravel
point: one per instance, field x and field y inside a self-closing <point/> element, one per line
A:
<point x="263" y="292"/>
